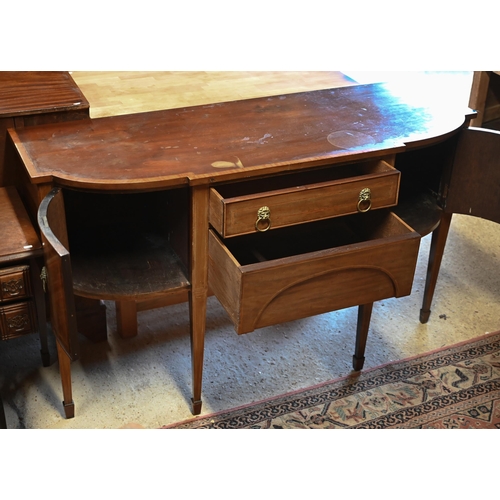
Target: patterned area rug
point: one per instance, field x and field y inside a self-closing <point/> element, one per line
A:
<point x="456" y="387"/>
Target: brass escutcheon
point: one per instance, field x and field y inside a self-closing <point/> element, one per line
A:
<point x="364" y="201"/>
<point x="263" y="222"/>
<point x="44" y="277"/>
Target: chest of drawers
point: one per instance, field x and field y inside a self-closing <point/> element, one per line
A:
<point x="17" y="314"/>
<point x="22" y="302"/>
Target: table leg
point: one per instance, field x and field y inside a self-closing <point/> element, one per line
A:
<point x="65" y="371"/>
<point x="3" y="420"/>
<point x="199" y="288"/>
<point x="126" y="318"/>
<point x="364" y="316"/>
<point x="438" y="242"/>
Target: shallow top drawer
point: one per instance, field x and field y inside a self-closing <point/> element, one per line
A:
<point x="263" y="204"/>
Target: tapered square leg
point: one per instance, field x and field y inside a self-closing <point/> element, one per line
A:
<point x="364" y="316"/>
<point x="438" y="243"/>
<point x="65" y="371"/>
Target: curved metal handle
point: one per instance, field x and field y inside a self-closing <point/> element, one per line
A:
<point x="364" y="201"/>
<point x="263" y="222"/>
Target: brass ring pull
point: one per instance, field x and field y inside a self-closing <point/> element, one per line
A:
<point x="263" y="222"/>
<point x="364" y="201"/>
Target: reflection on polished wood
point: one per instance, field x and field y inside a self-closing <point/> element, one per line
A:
<point x="118" y="93"/>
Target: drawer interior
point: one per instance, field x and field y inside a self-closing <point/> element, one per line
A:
<point x="313" y="237"/>
<point x="304" y="178"/>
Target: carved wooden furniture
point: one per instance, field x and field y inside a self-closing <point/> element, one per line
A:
<point x="22" y="300"/>
<point x="286" y="206"/>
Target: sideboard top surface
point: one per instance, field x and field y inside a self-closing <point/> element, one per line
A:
<point x="238" y="139"/>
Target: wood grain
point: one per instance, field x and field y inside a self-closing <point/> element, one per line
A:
<point x="118" y="93"/>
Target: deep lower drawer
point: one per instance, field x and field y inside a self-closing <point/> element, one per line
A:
<point x="270" y="278"/>
<point x="253" y="206"/>
<point x="17" y="319"/>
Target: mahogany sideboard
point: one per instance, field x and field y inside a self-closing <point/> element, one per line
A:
<point x="283" y="207"/>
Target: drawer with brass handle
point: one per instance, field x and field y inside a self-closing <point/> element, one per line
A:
<point x="276" y="202"/>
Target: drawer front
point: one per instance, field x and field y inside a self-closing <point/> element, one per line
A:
<point x="351" y="189"/>
<point x="14" y="283"/>
<point x="358" y="271"/>
<point x="17" y="319"/>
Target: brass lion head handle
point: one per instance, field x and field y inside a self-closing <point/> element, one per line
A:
<point x="364" y="200"/>
<point x="263" y="222"/>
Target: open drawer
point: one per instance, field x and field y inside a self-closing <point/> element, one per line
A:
<point x="301" y="271"/>
<point x="271" y="203"/>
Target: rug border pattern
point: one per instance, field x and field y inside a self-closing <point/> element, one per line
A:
<point x="361" y="381"/>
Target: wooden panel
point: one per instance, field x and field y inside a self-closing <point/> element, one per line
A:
<point x="321" y="267"/>
<point x="5" y="123"/>
<point x="51" y="219"/>
<point x="35" y="92"/>
<point x="305" y="201"/>
<point x="475" y="178"/>
<point x="34" y="98"/>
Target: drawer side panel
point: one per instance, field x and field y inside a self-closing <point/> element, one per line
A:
<point x="224" y="277"/>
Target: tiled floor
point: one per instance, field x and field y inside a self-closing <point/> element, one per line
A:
<point x="146" y="381"/>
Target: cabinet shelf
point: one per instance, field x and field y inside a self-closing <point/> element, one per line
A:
<point x="143" y="266"/>
<point x="420" y="210"/>
<point x="127" y="246"/>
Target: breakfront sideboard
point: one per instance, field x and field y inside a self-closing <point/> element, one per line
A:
<point x="283" y="207"/>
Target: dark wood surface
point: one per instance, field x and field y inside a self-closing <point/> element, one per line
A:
<point x="30" y="98"/>
<point x="36" y="92"/>
<point x="475" y="182"/>
<point x="18" y="239"/>
<point x="219" y="142"/>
